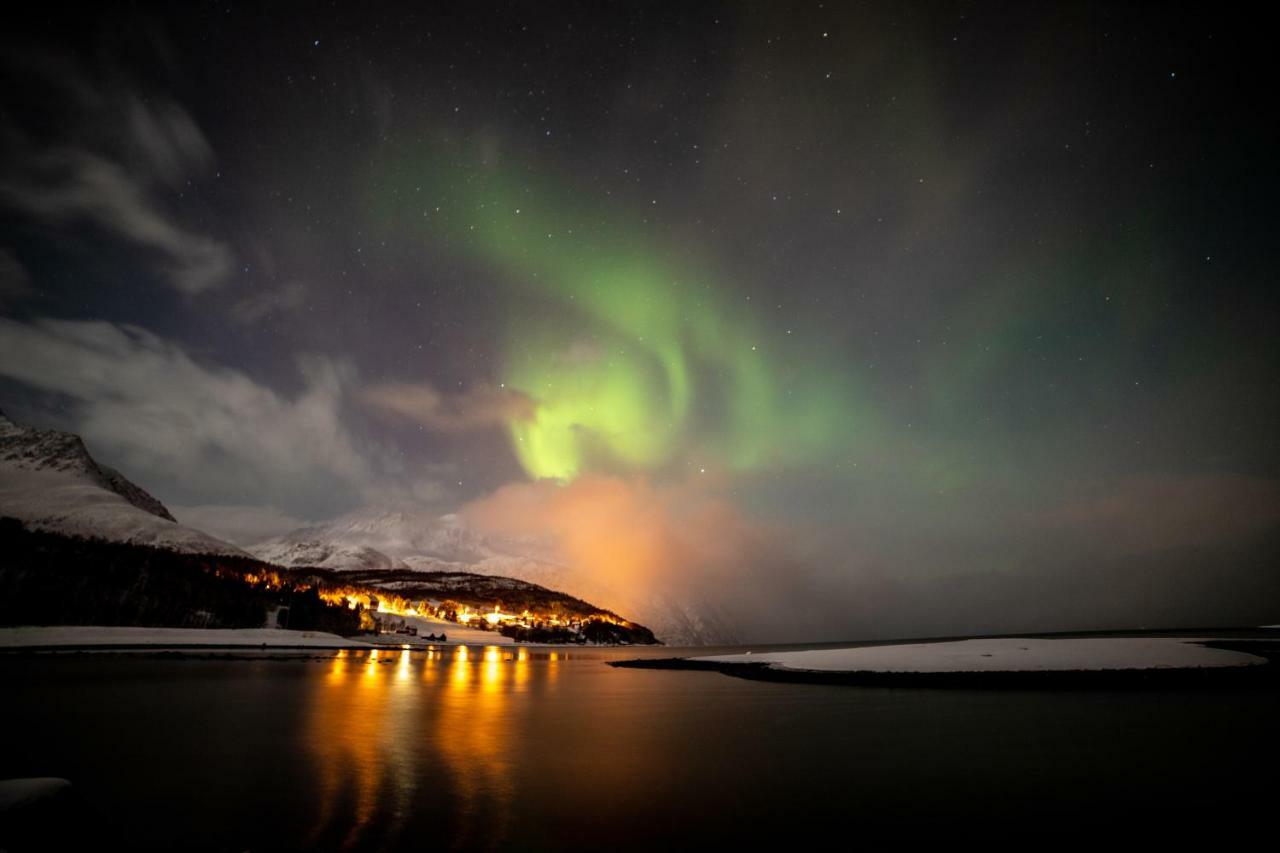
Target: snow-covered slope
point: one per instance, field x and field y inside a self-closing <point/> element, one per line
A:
<point x="49" y="481"/>
<point x="394" y="538"/>
<point x="47" y="450"/>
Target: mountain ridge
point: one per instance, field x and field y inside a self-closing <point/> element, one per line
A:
<point x="392" y="539"/>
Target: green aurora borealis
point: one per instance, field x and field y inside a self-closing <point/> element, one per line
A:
<point x="642" y="353"/>
<point x="636" y="356"/>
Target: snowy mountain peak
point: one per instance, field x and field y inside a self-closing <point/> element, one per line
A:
<point x="29" y="449"/>
<point x="49" y="481"/>
<point x="396" y="538"/>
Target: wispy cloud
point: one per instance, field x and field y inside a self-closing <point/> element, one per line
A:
<point x="268" y="302"/>
<point x="474" y="408"/>
<point x="115" y="154"/>
<point x="190" y="430"/>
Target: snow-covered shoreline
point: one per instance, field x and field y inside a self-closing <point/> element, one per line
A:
<point x="98" y="636"/>
<point x="1010" y="654"/>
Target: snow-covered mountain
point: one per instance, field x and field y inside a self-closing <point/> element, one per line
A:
<point x="398" y="539"/>
<point x="393" y="538"/>
<point x="49" y="481"/>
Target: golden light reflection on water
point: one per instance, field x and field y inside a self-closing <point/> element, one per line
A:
<point x="367" y="725"/>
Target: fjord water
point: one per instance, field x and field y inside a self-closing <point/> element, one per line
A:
<point x="502" y="748"/>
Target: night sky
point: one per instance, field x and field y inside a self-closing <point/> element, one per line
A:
<point x="906" y="319"/>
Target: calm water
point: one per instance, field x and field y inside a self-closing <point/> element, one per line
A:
<point x="533" y="749"/>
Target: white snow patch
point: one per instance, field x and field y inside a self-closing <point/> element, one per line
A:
<point x="1006" y="655"/>
<point x="459" y="635"/>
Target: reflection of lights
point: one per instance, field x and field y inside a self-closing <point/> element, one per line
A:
<point x="473" y="732"/>
<point x="429" y="672"/>
<point x="339" y="668"/>
<point x="356" y="731"/>
<point x="492" y="676"/>
<point x="521" y="669"/>
<point x="461" y="671"/>
<point x="366" y="736"/>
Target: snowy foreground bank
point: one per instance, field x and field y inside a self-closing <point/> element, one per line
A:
<point x="1006" y="655"/>
<point x="91" y="636"/>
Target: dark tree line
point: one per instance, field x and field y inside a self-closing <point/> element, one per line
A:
<point x="48" y="579"/>
<point x="593" y="631"/>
